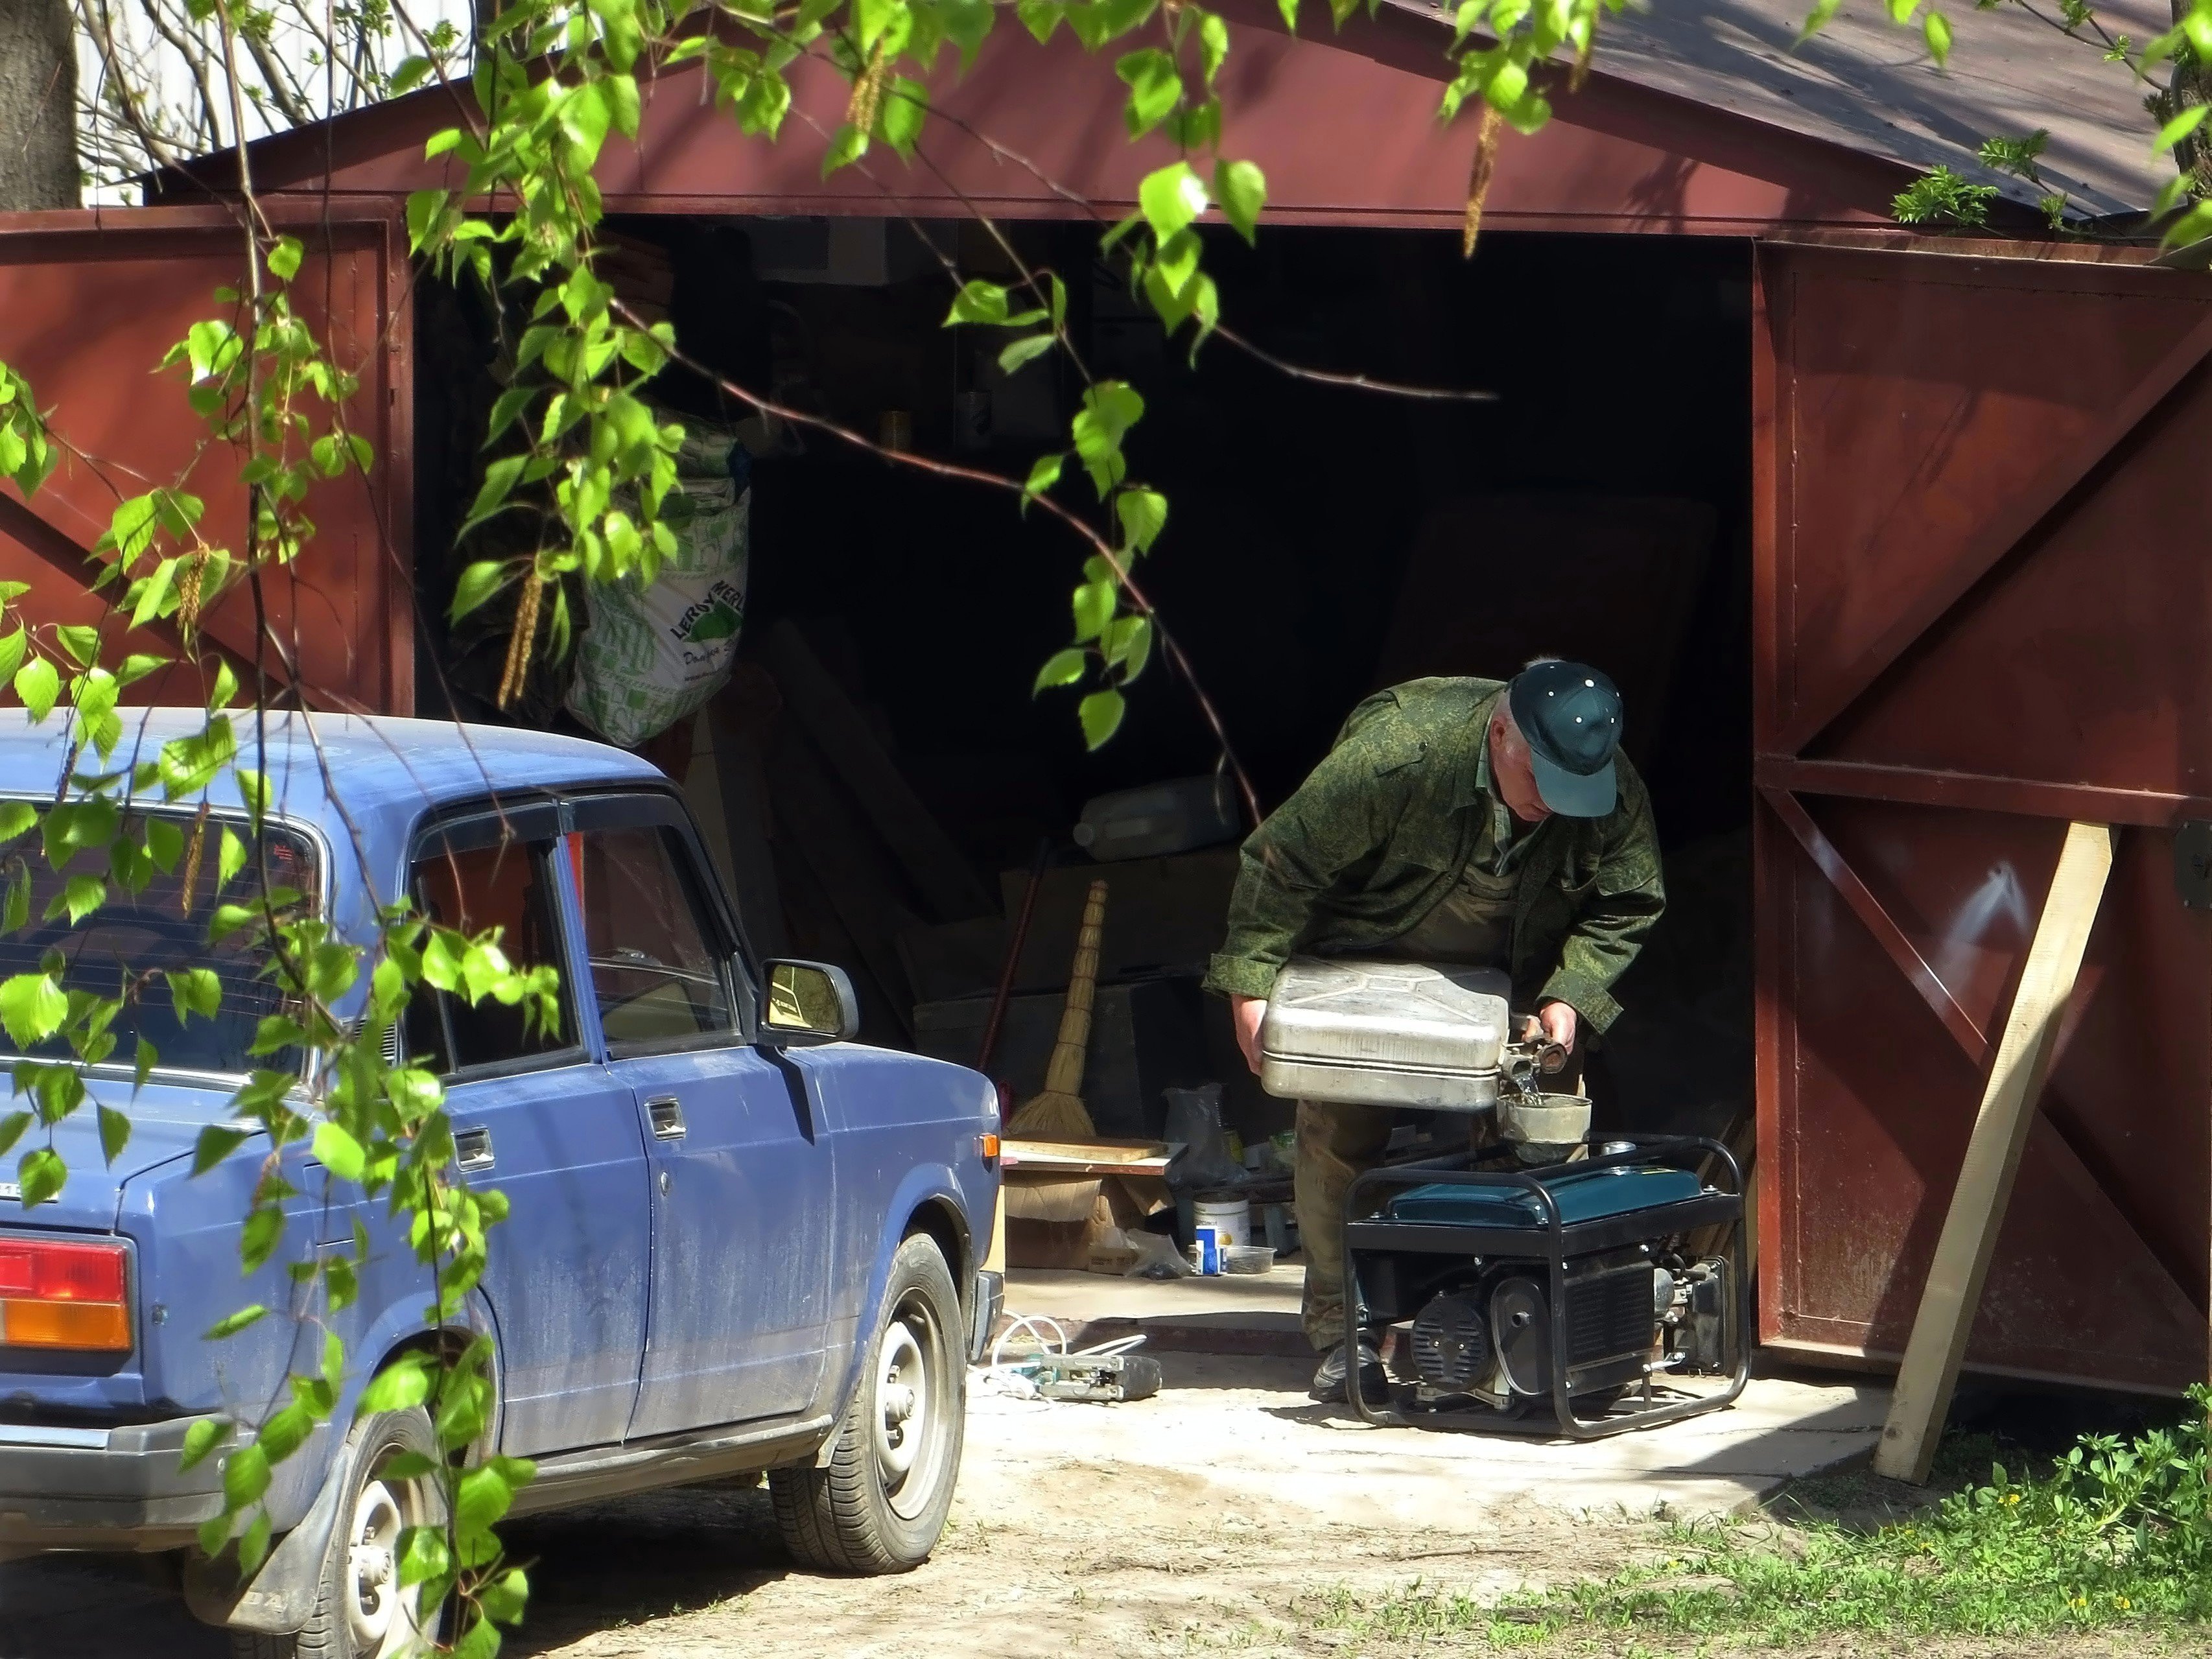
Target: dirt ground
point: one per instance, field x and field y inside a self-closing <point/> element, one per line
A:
<point x="1230" y="1515"/>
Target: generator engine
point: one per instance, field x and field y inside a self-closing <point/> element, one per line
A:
<point x="1566" y="1288"/>
<point x="1487" y="1339"/>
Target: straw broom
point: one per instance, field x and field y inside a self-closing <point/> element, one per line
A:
<point x="1059" y="1114"/>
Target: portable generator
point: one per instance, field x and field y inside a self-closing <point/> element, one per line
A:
<point x="1565" y="1289"/>
<point x="1560" y="1279"/>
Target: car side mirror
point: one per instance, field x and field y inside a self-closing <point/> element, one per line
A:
<point x="808" y="1002"/>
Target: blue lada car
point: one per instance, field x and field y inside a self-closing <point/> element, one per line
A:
<point x="739" y="1241"/>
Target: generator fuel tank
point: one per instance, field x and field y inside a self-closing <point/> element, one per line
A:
<point x="1385" y="1034"/>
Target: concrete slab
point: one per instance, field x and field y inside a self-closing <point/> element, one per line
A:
<point x="1241" y="1427"/>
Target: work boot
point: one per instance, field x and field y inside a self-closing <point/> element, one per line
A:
<point x="1328" y="1380"/>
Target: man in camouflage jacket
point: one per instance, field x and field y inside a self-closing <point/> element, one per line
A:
<point x="1454" y="821"/>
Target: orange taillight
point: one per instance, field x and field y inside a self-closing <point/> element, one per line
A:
<point x="64" y="1296"/>
<point x="98" y="1325"/>
<point x="988" y="1147"/>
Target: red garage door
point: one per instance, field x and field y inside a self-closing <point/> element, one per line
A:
<point x="88" y="305"/>
<point x="1984" y="607"/>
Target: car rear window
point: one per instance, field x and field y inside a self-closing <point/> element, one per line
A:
<point x="127" y="946"/>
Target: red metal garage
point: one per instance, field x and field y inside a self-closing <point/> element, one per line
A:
<point x="1977" y="610"/>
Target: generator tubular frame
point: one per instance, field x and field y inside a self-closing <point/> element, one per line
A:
<point x="1603" y="1233"/>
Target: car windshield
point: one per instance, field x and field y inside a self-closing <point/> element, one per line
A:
<point x="129" y="945"/>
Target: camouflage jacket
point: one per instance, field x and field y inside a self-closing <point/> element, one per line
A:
<point x="1381" y="831"/>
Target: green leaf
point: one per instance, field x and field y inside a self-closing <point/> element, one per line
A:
<point x="1171" y="199"/>
<point x="1143" y="514"/>
<point x="38" y="684"/>
<point x="230" y="858"/>
<point x="81" y="640"/>
<point x="31" y="1008"/>
<point x="339" y="1152"/>
<point x="1062" y="668"/>
<point x="1242" y="190"/>
<point x="284" y="258"/>
<point x="216" y="1142"/>
<point x="245" y="1477"/>
<point x="1093" y="604"/>
<point x="1101" y="714"/>
<point x="80" y="896"/>
<point x="978" y="301"/>
<point x="1044" y="473"/>
<point x="114" y="1132"/>
<point x="12" y="649"/>
<point x="11" y="1130"/>
<point x="40" y="1175"/>
<point x="2182" y="125"/>
<point x="17" y="817"/>
<point x="1213" y="40"/>
<point x="404" y="1382"/>
<point x="424" y="1554"/>
<point x="201" y="1439"/>
<point x="1155" y="88"/>
<point x="232" y="1324"/>
<point x="482" y="1498"/>
<point x="1109" y="410"/>
<point x="1936" y="29"/>
<point x="195" y="991"/>
<point x="847" y="147"/>
<point x="1823" y="13"/>
<point x="1023" y="351"/>
<point x="905" y="107"/>
<point x="1289" y="8"/>
<point x="258" y="1238"/>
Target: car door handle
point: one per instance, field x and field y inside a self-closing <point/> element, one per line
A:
<point x="667" y="1116"/>
<point x="472" y="1150"/>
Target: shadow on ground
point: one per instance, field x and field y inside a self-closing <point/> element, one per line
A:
<point x="596" y="1569"/>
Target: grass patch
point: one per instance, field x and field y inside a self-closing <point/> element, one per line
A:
<point x="2113" y="1533"/>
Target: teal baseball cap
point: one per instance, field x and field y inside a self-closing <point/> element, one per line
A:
<point x="1570" y="715"/>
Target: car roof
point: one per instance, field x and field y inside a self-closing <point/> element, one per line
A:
<point x="383" y="772"/>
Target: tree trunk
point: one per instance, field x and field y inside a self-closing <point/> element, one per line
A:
<point x="38" y="105"/>
<point x="2186" y="87"/>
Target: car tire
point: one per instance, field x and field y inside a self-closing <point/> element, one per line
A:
<point x="360" y="1611"/>
<point x="880" y="1502"/>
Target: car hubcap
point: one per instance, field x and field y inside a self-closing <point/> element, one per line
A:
<point x="902" y="1403"/>
<point x="379" y="1613"/>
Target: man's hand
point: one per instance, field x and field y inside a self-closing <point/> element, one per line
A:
<point x="1246" y="1012"/>
<point x="1554" y="1022"/>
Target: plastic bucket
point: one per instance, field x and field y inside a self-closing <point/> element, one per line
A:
<point x="1230" y="1218"/>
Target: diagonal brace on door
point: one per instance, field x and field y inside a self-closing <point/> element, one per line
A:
<point x="2072" y="1165"/>
<point x="1937" y="1347"/>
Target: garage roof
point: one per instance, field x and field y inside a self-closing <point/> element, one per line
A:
<point x="1866" y="83"/>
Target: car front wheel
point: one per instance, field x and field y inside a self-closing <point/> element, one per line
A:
<point x="881" y="1502"/>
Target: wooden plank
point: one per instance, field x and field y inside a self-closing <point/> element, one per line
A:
<point x="947" y="884"/>
<point x="1938" y="1344"/>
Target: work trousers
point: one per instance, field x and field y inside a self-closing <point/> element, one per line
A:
<point x="1335" y="1145"/>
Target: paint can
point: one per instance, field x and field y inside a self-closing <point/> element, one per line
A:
<point x="1229" y="1217"/>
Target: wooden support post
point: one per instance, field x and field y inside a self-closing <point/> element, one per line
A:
<point x="1938" y="1343"/>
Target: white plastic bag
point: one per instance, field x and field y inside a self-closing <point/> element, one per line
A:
<point x="651" y="655"/>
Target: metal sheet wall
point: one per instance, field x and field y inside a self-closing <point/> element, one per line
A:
<point x="1982" y="609"/>
<point x="88" y="305"/>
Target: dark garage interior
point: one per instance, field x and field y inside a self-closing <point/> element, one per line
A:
<point x="1324" y="542"/>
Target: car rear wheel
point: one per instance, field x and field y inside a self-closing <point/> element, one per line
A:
<point x="880" y="1503"/>
<point x="361" y="1610"/>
